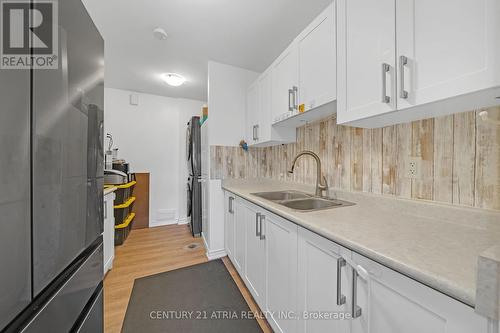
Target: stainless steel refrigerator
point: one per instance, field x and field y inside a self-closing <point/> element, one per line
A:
<point x="51" y="185"/>
<point x="193" y="145"/>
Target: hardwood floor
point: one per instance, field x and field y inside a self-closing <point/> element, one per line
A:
<point x="151" y="251"/>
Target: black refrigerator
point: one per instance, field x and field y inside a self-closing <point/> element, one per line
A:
<point x="193" y="145"/>
<point x="51" y="183"/>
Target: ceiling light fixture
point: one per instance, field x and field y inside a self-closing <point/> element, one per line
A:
<point x="160" y="34"/>
<point x="173" y="79"/>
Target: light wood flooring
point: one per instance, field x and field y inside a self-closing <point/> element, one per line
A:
<point x="151" y="251"/>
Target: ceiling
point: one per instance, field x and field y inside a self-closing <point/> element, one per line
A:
<point x="246" y="33"/>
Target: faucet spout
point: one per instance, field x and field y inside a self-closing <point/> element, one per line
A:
<point x="321" y="184"/>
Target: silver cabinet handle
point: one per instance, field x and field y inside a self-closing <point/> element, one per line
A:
<point x="340" y="298"/>
<point x="262" y="236"/>
<point x="256" y="132"/>
<point x="231" y="199"/>
<point x="290" y="94"/>
<point x="385" y="69"/>
<point x="356" y="310"/>
<point x="295" y="98"/>
<point x="253" y="133"/>
<point x="403" y="61"/>
<point x="257" y="219"/>
<point x="105" y="209"/>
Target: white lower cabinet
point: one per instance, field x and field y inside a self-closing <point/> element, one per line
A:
<point x="254" y="275"/>
<point x="307" y="283"/>
<point x="229" y="233"/>
<point x="239" y="237"/>
<point x="322" y="284"/>
<point x="281" y="271"/>
<point x="393" y="303"/>
<point x="109" y="231"/>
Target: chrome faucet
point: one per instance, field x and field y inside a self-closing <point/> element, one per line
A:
<point x="321" y="184"/>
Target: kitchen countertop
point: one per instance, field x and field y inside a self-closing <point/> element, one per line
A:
<point x="435" y="244"/>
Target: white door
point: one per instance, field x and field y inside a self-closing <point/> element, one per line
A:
<point x="255" y="255"/>
<point x="285" y="81"/>
<point x="394" y="303"/>
<point x="239" y="237"/>
<point x="281" y="272"/>
<point x="450" y="47"/>
<point x="323" y="285"/>
<point x="229" y="224"/>
<point x="252" y="113"/>
<point x="318" y="61"/>
<point x="366" y="44"/>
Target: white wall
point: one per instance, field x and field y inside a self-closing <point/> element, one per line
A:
<point x="151" y="137"/>
<point x="227" y="87"/>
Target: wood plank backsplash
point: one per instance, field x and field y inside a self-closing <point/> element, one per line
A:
<point x="458" y="156"/>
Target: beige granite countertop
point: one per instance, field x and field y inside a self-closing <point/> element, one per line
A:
<point x="435" y="244"/>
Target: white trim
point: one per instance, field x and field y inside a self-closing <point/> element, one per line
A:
<point x="155" y="223"/>
<point x="204" y="240"/>
<point x="109" y="264"/>
<point x="212" y="255"/>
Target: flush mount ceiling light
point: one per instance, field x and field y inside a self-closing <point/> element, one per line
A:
<point x="160" y="34"/>
<point x="173" y="79"/>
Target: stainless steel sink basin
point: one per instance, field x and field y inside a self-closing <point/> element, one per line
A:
<point x="312" y="204"/>
<point x="282" y="195"/>
<point x="302" y="202"/>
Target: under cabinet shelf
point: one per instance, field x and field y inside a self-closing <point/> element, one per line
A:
<point x="301" y="119"/>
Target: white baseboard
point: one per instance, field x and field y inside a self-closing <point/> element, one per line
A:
<point x="154" y="223"/>
<point x="204" y="240"/>
<point x="108" y="264"/>
<point x="212" y="255"/>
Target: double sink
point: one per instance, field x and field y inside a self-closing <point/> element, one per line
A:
<point x="301" y="201"/>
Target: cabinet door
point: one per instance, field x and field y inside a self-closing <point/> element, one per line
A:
<point x="366" y="56"/>
<point x="266" y="107"/>
<point x="285" y="78"/>
<point x="320" y="291"/>
<point x="229" y="225"/>
<point x="281" y="272"/>
<point x="451" y="48"/>
<point x="318" y="61"/>
<point x="252" y="117"/>
<point x="255" y="256"/>
<point x="394" y="303"/>
<point x="239" y="237"/>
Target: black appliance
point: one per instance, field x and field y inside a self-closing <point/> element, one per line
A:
<point x="51" y="203"/>
<point x="193" y="153"/>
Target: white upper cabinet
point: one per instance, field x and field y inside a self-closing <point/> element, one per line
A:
<point x="266" y="107"/>
<point x="448" y="46"/>
<point x="366" y="58"/>
<point x="252" y="114"/>
<point x="317" y="65"/>
<point x="304" y="74"/>
<point x="419" y="58"/>
<point x="286" y="81"/>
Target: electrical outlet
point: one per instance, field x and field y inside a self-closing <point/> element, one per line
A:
<point x="413" y="168"/>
